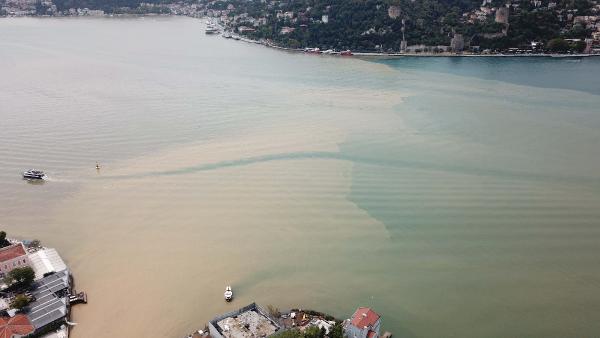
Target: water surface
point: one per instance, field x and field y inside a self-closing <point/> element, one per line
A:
<point x="458" y="197"/>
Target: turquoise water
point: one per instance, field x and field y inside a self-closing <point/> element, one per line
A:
<point x="542" y="72"/>
<point x="490" y="197"/>
<point x="457" y="196"/>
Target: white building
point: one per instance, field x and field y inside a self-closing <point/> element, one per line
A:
<point x="46" y="261"/>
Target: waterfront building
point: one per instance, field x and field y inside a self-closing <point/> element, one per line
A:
<point x="50" y="308"/>
<point x="12" y="257"/>
<point x="251" y="321"/>
<point x="46" y="261"/>
<point x="364" y="323"/>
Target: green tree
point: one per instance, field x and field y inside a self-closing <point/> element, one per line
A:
<point x="337" y="331"/>
<point x="294" y="333"/>
<point x="3" y="241"/>
<point x="34" y="244"/>
<point x="24" y="276"/>
<point x="19" y="302"/>
<point x="313" y="332"/>
<point x="558" y="45"/>
<point x="579" y="46"/>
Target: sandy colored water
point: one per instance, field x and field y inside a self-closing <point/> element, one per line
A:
<point x="156" y="251"/>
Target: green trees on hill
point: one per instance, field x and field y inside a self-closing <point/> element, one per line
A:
<point x="366" y="26"/>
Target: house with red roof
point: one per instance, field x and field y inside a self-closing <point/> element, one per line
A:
<point x="11" y="257"/>
<point x="364" y="323"/>
<point x="15" y="327"/>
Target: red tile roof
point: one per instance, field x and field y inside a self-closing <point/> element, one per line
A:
<point x="17" y="325"/>
<point x="364" y="316"/>
<point x="371" y="334"/>
<point x="12" y="251"/>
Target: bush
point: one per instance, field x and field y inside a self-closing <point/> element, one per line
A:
<point x="295" y="333"/>
<point x="273" y="311"/>
<point x="20" y="302"/>
<point x="558" y="45"/>
<point x="337" y="331"/>
<point x="3" y="241"/>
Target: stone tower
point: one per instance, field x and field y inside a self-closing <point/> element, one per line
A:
<point x="502" y="15"/>
<point x="457" y="43"/>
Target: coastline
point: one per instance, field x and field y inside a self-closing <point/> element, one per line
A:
<point x="50" y="288"/>
<point x="400" y="55"/>
<point x="377" y="55"/>
<point x="393" y="55"/>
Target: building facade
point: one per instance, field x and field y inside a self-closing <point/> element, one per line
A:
<point x="12" y="257"/>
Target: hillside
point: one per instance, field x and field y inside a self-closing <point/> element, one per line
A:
<point x="371" y="25"/>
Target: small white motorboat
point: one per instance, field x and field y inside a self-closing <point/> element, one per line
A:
<point x="228" y="294"/>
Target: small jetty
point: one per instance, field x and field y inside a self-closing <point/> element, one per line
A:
<point x="77" y="298"/>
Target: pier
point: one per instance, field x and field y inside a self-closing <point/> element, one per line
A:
<point x="77" y="298"/>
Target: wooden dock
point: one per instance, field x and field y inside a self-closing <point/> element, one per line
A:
<point x="78" y="298"/>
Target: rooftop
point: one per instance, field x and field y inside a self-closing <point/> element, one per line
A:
<point x="12" y="252"/>
<point x="248" y="322"/>
<point x="49" y="304"/>
<point x="364" y="317"/>
<point x="45" y="261"/>
<point x="18" y="326"/>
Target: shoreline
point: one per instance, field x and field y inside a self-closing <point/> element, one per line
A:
<point x="377" y="55"/>
<point x="401" y="55"/>
<point x="426" y="55"/>
<point x="51" y="289"/>
<point x="393" y="55"/>
<point x="253" y="320"/>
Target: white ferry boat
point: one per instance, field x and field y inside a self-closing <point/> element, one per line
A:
<point x="34" y="174"/>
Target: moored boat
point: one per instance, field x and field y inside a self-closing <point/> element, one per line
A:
<point x="211" y="29"/>
<point x="228" y="294"/>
